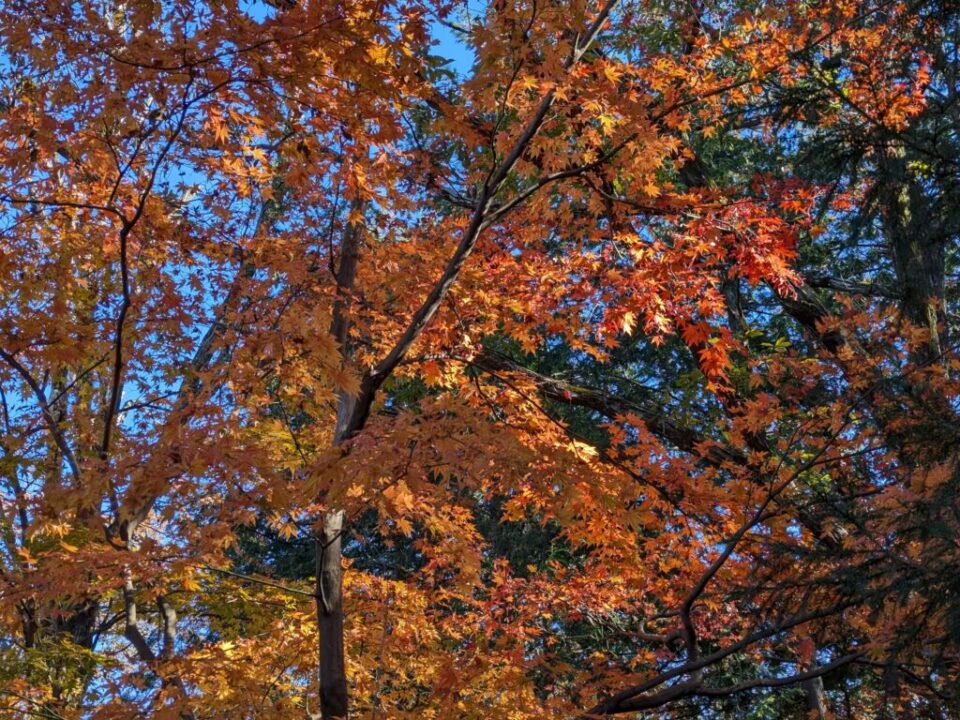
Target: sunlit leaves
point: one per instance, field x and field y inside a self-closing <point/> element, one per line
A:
<point x="183" y="185"/>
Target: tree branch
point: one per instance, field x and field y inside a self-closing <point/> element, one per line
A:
<point x="49" y="419"/>
<point x="478" y="221"/>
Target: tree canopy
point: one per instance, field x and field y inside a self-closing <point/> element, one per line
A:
<point x="533" y="359"/>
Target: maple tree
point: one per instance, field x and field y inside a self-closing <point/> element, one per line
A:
<point x="609" y="370"/>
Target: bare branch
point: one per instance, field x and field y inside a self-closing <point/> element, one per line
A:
<point x="52" y="425"/>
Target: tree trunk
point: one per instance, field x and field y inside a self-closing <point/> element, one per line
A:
<point x="332" y="670"/>
<point x="917" y="248"/>
<point x="333" y="677"/>
<point x="816" y="700"/>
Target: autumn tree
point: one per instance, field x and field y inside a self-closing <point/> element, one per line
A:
<point x="607" y="369"/>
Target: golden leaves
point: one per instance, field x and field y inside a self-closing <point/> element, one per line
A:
<point x="244" y="148"/>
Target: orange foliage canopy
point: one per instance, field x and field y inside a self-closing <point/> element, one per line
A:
<point x="275" y="264"/>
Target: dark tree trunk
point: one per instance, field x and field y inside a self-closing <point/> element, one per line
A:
<point x="333" y="678"/>
<point x="917" y="250"/>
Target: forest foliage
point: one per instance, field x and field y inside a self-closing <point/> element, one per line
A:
<point x="517" y="359"/>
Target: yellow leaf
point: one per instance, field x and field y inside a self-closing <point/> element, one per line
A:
<point x="378" y="54"/>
